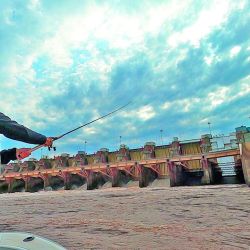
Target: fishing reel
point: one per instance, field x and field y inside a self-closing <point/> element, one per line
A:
<point x="51" y="147"/>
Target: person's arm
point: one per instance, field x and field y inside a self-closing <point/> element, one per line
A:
<point x="15" y="131"/>
<point x="8" y="155"/>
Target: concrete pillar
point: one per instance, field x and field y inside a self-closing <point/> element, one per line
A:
<point x="207" y="174"/>
<point x="123" y="154"/>
<point x="175" y="147"/>
<point x="67" y="184"/>
<point x="44" y="163"/>
<point x="148" y="151"/>
<point x="136" y="172"/>
<point x="178" y="173"/>
<point x="101" y="156"/>
<point x="206" y="171"/>
<point x="80" y="159"/>
<point x="46" y="182"/>
<point x="91" y="181"/>
<point x="205" y="143"/>
<point x="115" y="177"/>
<point x="170" y="166"/>
<point x="27" y="184"/>
<point x="240" y="133"/>
<point x="245" y="159"/>
<point x="177" y="176"/>
<point x="142" y="177"/>
<point x="10" y="184"/>
<point x="62" y="161"/>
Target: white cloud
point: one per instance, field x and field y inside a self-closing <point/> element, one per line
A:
<point x="58" y="54"/>
<point x="208" y="19"/>
<point x="223" y="95"/>
<point x="203" y="121"/>
<point x="235" y="51"/>
<point x="105" y="24"/>
<point x="208" y="60"/>
<point x="144" y="113"/>
<point x="211" y="56"/>
<point x="244" y="89"/>
<point x="90" y="130"/>
<point x="184" y="105"/>
<point x="189" y="103"/>
<point x="166" y="105"/>
<point x="34" y="5"/>
<point x="217" y="97"/>
<point x="85" y="47"/>
<point x="157" y="16"/>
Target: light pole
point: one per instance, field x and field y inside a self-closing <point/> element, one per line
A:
<point x="120" y="140"/>
<point x="161" y="137"/>
<point x="85" y="142"/>
<point x="209" y="123"/>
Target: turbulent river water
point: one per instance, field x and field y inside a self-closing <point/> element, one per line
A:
<point x="157" y="217"/>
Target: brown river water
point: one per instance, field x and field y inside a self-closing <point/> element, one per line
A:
<point x="157" y="217"/>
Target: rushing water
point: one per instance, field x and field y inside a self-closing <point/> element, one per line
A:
<point x="157" y="217"/>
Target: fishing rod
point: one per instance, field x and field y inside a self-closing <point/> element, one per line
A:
<point x="27" y="151"/>
<point x="59" y="137"/>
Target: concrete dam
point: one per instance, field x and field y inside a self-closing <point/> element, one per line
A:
<point x="192" y="162"/>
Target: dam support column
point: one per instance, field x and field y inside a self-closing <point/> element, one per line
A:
<point x="147" y="175"/>
<point x="136" y="171"/>
<point x="207" y="174"/>
<point x="179" y="175"/>
<point x="245" y="159"/>
<point x="46" y="183"/>
<point x="91" y="181"/>
<point x="170" y="166"/>
<point x="10" y="184"/>
<point x="66" y="179"/>
<point x="205" y="144"/>
<point x="142" y="177"/>
<point x="27" y="184"/>
<point x="115" y="175"/>
<point x="176" y="174"/>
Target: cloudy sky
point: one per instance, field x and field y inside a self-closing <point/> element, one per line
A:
<point x="182" y="63"/>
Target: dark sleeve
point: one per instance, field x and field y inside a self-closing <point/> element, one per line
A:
<point x="7" y="155"/>
<point x="15" y="131"/>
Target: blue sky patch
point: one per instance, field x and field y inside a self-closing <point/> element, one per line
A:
<point x="183" y="65"/>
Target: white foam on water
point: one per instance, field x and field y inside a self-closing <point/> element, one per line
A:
<point x="132" y="184"/>
<point x="107" y="184"/>
<point x="49" y="188"/>
<point x="73" y="187"/>
<point x="160" y="183"/>
<point x="82" y="187"/>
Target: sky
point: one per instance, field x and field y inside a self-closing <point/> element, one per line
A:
<point x="181" y="63"/>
